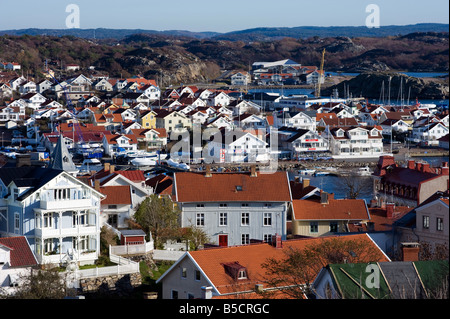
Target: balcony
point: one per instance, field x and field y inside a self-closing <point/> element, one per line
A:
<point x="65" y="204"/>
<point x="66" y="232"/>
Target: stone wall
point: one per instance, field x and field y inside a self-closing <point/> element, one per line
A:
<point x="118" y="284"/>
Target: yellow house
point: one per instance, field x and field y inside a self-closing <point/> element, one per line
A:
<point x="147" y="119"/>
<point x="324" y="216"/>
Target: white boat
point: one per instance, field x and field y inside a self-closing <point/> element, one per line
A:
<point x="144" y="161"/>
<point x="321" y="173"/>
<point x="181" y="166"/>
<point x="364" y="171"/>
<point x="307" y="171"/>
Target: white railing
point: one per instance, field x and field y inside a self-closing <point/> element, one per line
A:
<point x="169" y="255"/>
<point x="129" y="268"/>
<point x="131" y="249"/>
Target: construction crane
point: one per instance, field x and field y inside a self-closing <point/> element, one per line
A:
<point x="319" y="84"/>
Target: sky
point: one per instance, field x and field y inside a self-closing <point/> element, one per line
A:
<point x="214" y="15"/>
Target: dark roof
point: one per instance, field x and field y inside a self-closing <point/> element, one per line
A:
<point x="403" y="280"/>
<point x="28" y="176"/>
<point x="20" y="254"/>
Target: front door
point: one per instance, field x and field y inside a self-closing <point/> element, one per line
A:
<point x="223" y="240"/>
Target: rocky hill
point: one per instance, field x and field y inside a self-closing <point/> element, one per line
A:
<point x="180" y="59"/>
<point x="374" y="85"/>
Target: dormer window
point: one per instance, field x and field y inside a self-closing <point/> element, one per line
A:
<point x="235" y="270"/>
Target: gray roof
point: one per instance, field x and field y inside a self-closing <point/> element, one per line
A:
<point x="61" y="158"/>
<point x="403" y="280"/>
<point x="132" y="232"/>
<point x="28" y="176"/>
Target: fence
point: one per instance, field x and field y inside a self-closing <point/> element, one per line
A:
<point x="169" y="255"/>
<point x="131" y="249"/>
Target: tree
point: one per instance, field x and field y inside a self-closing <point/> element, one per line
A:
<point x="296" y="271"/>
<point x="160" y="216"/>
<point x="355" y="185"/>
<point x="43" y="284"/>
<point x="196" y="237"/>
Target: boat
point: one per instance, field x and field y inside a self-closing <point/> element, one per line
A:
<point x="174" y="164"/>
<point x="90" y="164"/>
<point x="321" y="173"/>
<point x="144" y="161"/>
<point x="307" y="171"/>
<point x="364" y="171"/>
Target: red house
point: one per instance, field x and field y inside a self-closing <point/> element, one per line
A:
<point x="132" y="237"/>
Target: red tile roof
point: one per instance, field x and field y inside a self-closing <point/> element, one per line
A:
<point x="253" y="256"/>
<point x="195" y="187"/>
<point x="20" y="254"/>
<point x="336" y="209"/>
<point x="116" y="195"/>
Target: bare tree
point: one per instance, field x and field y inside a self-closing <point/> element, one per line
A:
<point x="297" y="270"/>
<point x="355" y="185"/>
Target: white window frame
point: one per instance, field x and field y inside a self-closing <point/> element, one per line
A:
<point x="267" y="219"/>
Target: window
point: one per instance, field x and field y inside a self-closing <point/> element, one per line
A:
<point x="440" y="224"/>
<point x="333" y="227"/>
<point x="223" y="205"/>
<point x="48" y="245"/>
<point x="223" y="219"/>
<point x="183" y="273"/>
<point x="313" y="227"/>
<point x="197" y="275"/>
<point x="267" y="238"/>
<point x="48" y="220"/>
<point x="174" y="294"/>
<point x="200" y="219"/>
<point x="245" y="219"/>
<point x="16" y="223"/>
<point x="426" y="222"/>
<point x="200" y="205"/>
<point x="242" y="274"/>
<point x="267" y="219"/>
<point x="267" y="205"/>
<point x="245" y="239"/>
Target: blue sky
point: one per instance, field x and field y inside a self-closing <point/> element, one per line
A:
<point x="219" y="16"/>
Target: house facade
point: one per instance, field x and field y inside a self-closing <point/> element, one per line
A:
<point x="234" y="209"/>
<point x="355" y="141"/>
<point x="57" y="213"/>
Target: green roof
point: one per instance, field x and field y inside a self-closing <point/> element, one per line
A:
<point x="355" y="281"/>
<point x="434" y="275"/>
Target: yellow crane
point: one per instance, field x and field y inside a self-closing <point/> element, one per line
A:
<point x="320" y="74"/>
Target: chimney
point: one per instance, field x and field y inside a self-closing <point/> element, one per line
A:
<point x="106" y="167"/>
<point x="425" y="167"/>
<point x="410" y="251"/>
<point x="330" y="196"/>
<point x="259" y="287"/>
<point x="390" y="210"/>
<point x="324" y="198"/>
<point x="111" y="169"/>
<point x="208" y="171"/>
<point x="305" y="182"/>
<point x="97" y="185"/>
<point x="411" y="164"/>
<point x="276" y="241"/>
<point x="206" y="292"/>
<point x="444" y="168"/>
<point x="253" y="171"/>
<point x="419" y="166"/>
